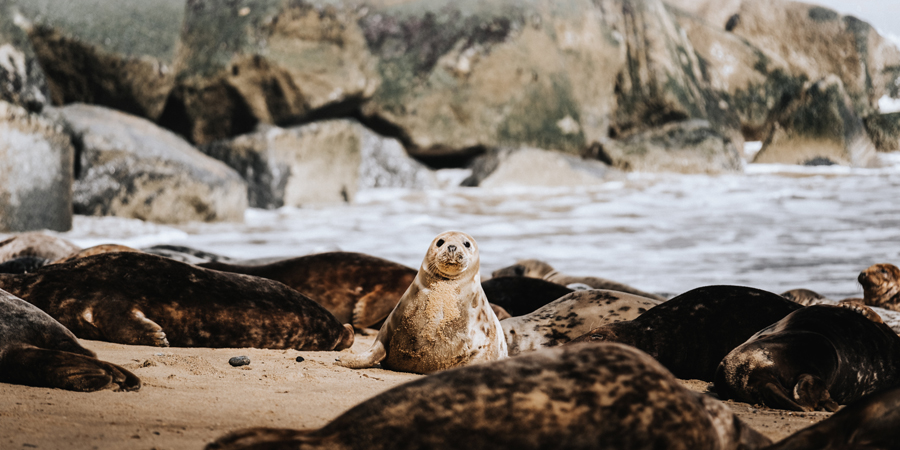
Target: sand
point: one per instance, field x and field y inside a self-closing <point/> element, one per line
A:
<point x="191" y="396"/>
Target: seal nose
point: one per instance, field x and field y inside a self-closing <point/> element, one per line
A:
<point x="452" y="248"/>
<point x="861" y="278"/>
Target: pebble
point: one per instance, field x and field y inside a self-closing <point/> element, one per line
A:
<point x="300" y="359"/>
<point x="239" y="361"/>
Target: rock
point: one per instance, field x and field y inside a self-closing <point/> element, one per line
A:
<point x="327" y="161"/>
<point x="884" y="130"/>
<point x="300" y="359"/>
<point x="684" y="147"/>
<point x="268" y="61"/>
<point x="116" y="54"/>
<point x="36" y="161"/>
<point x="22" y="81"/>
<point x="818" y="128"/>
<point x="238" y="361"/>
<point x="535" y="167"/>
<point x="812" y="41"/>
<point x="129" y="167"/>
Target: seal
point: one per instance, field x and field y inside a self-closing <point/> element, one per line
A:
<point x="692" y="332"/>
<point x="539" y="269"/>
<point x="357" y="288"/>
<point x="27" y="252"/>
<point x="813" y="359"/>
<point x="869" y="423"/>
<point x="142" y="299"/>
<point x="881" y="286"/>
<point x="185" y="254"/>
<point x="579" y="397"/>
<point x="36" y="350"/>
<point x="95" y="250"/>
<point x="443" y="320"/>
<point x="808" y="297"/>
<point x="571" y="316"/>
<point x="521" y="295"/>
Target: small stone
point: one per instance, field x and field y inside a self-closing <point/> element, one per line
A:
<point x="300" y="359"/>
<point x="238" y="361"/>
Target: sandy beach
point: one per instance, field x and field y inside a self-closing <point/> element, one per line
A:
<point x="191" y="396"/>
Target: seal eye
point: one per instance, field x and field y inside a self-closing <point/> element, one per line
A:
<point x="467" y="244"/>
<point x="440" y="242"/>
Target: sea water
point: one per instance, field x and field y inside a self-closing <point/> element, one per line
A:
<point x="773" y="227"/>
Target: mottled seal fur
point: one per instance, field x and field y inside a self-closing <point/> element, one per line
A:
<point x="95" y="250"/>
<point x="36" y="350"/>
<point x="28" y="251"/>
<point x="186" y="254"/>
<point x="570" y="317"/>
<point x="813" y="359"/>
<point x="881" y="286"/>
<point x="870" y="423"/>
<point x="137" y="298"/>
<point x="534" y="268"/>
<point x="522" y="295"/>
<point x="443" y="320"/>
<point x="692" y="332"/>
<point x="590" y="396"/>
<point x="358" y="289"/>
<point x="808" y="297"/>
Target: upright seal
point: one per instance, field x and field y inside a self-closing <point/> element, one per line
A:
<point x="881" y="286"/>
<point x="443" y="320"/>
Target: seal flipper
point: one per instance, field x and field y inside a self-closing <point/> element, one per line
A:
<point x="57" y="369"/>
<point x="131" y="327"/>
<point x="366" y="312"/>
<point x="364" y="360"/>
<point x="810" y="391"/>
<point x="776" y="396"/>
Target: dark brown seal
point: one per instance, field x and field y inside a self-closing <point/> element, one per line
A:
<point x="881" y="286"/>
<point x="871" y="423"/>
<point x="813" y="359"/>
<point x="358" y="289"/>
<point x="522" y="295"/>
<point x="137" y="298"/>
<point x="36" y="350"/>
<point x="590" y="396"/>
<point x="692" y="332"/>
<point x="534" y="268"/>
<point x="570" y="316"/>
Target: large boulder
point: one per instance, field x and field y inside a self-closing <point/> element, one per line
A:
<point x="129" y="167"/>
<point x="820" y="127"/>
<point x="22" y="81"/>
<point x="327" y="161"/>
<point x="528" y="167"/>
<point x="36" y="161"/>
<point x="684" y="147"/>
<point x="811" y="41"/>
<point x="884" y="130"/>
<point x="117" y="54"/>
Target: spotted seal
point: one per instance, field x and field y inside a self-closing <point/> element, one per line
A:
<point x="813" y="359"/>
<point x="357" y="288"/>
<point x="521" y="295"/>
<point x="534" y="268"/>
<point x="881" y="286"/>
<point x="570" y="317"/>
<point x="579" y="397"/>
<point x="443" y="320"/>
<point x="185" y="254"/>
<point x="27" y="252"/>
<point x="143" y="299"/>
<point x="36" y="350"/>
<point x="692" y="332"/>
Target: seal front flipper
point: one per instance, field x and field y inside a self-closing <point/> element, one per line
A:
<point x="131" y="327"/>
<point x="57" y="369"/>
<point x="776" y="396"/>
<point x="364" y="360"/>
<point x="811" y="392"/>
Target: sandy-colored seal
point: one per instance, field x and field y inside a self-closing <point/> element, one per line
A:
<point x="881" y="286"/>
<point x="36" y="350"/>
<point x="137" y="298"/>
<point x="592" y="396"/>
<point x="357" y="288"/>
<point x="813" y="359"/>
<point x="534" y="268"/>
<point x="570" y="317"/>
<point x="443" y="320"/>
<point x="692" y="332"/>
<point x="521" y="295"/>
